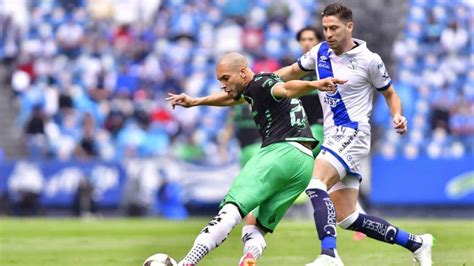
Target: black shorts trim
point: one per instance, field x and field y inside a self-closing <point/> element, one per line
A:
<point x="263" y="228"/>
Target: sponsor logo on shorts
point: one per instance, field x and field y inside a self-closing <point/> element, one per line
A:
<point x="349" y="140"/>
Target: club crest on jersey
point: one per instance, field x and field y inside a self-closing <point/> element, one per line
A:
<point x="383" y="71"/>
<point x="353" y="63"/>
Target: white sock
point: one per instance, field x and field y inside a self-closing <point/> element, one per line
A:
<point x="253" y="239"/>
<point x="215" y="232"/>
<point x="359" y="208"/>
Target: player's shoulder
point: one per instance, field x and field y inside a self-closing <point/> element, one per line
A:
<point x="315" y="49"/>
<point x="366" y="55"/>
<point x="266" y="79"/>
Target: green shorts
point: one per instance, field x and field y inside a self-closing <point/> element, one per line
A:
<point x="270" y="182"/>
<point x="318" y="133"/>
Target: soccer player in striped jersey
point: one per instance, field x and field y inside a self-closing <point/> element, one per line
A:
<point x="308" y="37"/>
<point x="347" y="131"/>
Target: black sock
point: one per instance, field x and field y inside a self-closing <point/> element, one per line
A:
<point x="378" y="228"/>
<point x="325" y="219"/>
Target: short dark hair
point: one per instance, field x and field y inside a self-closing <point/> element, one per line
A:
<point x="316" y="32"/>
<point x="339" y="10"/>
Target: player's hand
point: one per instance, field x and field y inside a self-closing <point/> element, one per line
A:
<point x="328" y="84"/>
<point x="182" y="99"/>
<point x="400" y="124"/>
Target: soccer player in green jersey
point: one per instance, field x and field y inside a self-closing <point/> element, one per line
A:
<point x="272" y="179"/>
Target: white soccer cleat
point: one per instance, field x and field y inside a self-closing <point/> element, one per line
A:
<point x="423" y="254"/>
<point x="325" y="260"/>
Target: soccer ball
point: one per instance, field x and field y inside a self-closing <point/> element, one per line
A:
<point x="160" y="259"/>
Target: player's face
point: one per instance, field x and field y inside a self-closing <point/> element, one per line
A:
<point x="231" y="80"/>
<point x="337" y="32"/>
<point x="308" y="40"/>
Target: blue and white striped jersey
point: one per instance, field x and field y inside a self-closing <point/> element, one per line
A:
<point x="351" y="104"/>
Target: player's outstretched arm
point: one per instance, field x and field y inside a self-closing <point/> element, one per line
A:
<point x="216" y="99"/>
<point x="297" y="88"/>
<point x="292" y="72"/>
<point x="399" y="122"/>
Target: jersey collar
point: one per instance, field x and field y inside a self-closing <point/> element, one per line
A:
<point x="362" y="45"/>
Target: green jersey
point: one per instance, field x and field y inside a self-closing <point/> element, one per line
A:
<point x="277" y="119"/>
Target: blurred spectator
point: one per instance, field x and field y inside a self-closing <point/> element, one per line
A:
<point x="433" y="30"/>
<point x="454" y="38"/>
<point x="114" y="122"/>
<point x="70" y="36"/>
<point x="10" y="42"/>
<point x="87" y="147"/>
<point x="36" y="141"/>
<point x="265" y="64"/>
<point x="84" y="204"/>
<point x="443" y="100"/>
<point x="24" y="187"/>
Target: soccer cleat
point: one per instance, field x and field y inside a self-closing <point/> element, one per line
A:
<point x="325" y="260"/>
<point x="423" y="253"/>
<point x="247" y="260"/>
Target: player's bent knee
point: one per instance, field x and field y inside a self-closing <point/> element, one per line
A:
<point x="349" y="220"/>
<point x="250" y="219"/>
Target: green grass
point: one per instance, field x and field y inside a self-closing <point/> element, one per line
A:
<point x="129" y="241"/>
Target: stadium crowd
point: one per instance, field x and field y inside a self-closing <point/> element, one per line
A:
<point x="90" y="77"/>
<point x="434" y="61"/>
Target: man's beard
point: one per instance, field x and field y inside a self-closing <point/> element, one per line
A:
<point x="237" y="96"/>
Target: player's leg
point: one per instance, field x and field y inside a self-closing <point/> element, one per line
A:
<point x="324" y="176"/>
<point x="377" y="228"/>
<point x="253" y="237"/>
<point x="245" y="194"/>
<point x="286" y="180"/>
<point x="359" y="235"/>
<point x="215" y="232"/>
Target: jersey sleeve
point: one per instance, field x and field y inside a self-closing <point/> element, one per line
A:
<point x="378" y="74"/>
<point x="307" y="62"/>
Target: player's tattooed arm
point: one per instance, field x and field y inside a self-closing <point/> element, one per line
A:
<point x="216" y="99"/>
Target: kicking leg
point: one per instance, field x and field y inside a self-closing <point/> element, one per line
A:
<point x="213" y="234"/>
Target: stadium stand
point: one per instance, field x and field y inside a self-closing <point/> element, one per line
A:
<point x="434" y="65"/>
<point x="91" y="79"/>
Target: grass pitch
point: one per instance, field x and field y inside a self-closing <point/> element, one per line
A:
<point x="129" y="241"/>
